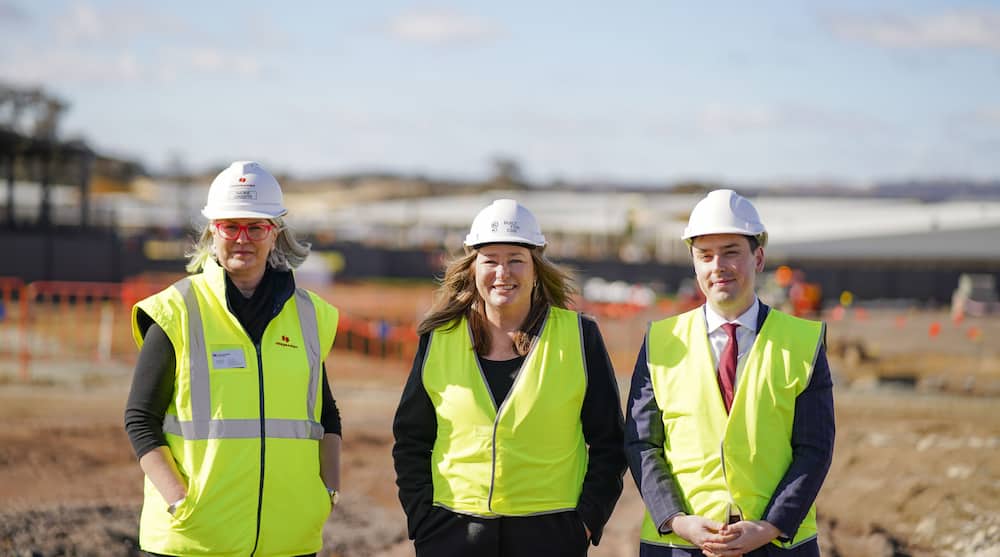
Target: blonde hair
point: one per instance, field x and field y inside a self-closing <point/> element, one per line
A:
<point x="458" y="297"/>
<point x="287" y="254"/>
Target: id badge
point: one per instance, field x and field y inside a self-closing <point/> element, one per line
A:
<point x="232" y="358"/>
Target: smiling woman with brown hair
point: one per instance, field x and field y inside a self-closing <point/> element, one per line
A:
<point x="509" y="429"/>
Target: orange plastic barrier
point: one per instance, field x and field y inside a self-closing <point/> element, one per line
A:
<point x="12" y="312"/>
<point x="64" y="324"/>
<point x="145" y="285"/>
<point x="376" y="338"/>
<point x="612" y="310"/>
<point x="74" y="320"/>
<point x="837" y="313"/>
<point x="88" y="322"/>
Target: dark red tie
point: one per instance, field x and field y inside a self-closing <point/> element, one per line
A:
<point x="727" y="366"/>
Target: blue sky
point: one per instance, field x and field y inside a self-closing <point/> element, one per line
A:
<point x="641" y="91"/>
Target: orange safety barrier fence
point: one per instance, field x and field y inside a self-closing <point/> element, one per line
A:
<point x="88" y="323"/>
<point x="73" y="322"/>
<point x="611" y="310"/>
<point x="12" y="301"/>
<point x="377" y="338"/>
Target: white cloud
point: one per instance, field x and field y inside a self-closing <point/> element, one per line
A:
<point x="969" y="28"/>
<point x="718" y="119"/>
<point x="990" y="114"/>
<point x="12" y="13"/>
<point x="441" y="27"/>
<point x="976" y="122"/>
<point x="61" y="65"/>
<point x="119" y="43"/>
<point x="84" y="23"/>
<point x="213" y="61"/>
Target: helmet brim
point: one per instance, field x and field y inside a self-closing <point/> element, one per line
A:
<point x="761" y="237"/>
<point x="519" y="244"/>
<point x="241" y="214"/>
<point x="517" y="240"/>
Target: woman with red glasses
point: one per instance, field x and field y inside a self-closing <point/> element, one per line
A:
<point x="230" y="412"/>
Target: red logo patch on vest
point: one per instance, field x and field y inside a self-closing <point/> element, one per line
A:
<point x="286" y="342"/>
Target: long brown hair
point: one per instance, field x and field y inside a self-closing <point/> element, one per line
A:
<point x="458" y="297"/>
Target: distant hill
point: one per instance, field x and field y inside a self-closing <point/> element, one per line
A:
<point x="924" y="190"/>
<point x="940" y="190"/>
<point x="373" y="186"/>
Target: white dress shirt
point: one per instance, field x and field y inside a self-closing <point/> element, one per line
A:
<point x="745" y="334"/>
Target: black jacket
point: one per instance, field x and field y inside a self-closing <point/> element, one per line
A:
<point x="415" y="429"/>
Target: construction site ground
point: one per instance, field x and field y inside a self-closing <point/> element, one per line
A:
<point x="916" y="469"/>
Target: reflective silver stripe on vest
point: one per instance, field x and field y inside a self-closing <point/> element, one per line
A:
<point x="201" y="425"/>
<point x="201" y="389"/>
<point x="310" y="337"/>
<point x="242" y="429"/>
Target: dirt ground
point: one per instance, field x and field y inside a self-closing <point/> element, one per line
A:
<point x="916" y="469"/>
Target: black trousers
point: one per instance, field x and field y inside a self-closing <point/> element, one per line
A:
<point x="447" y="534"/>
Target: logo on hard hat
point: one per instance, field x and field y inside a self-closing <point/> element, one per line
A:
<point x="494" y="226"/>
<point x="512" y="226"/>
<point x="243" y="195"/>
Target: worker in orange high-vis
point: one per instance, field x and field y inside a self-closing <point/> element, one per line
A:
<point x="729" y="423"/>
<point x="230" y="412"/>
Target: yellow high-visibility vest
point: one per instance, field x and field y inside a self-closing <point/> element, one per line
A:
<point x="526" y="457"/>
<point x="243" y="425"/>
<point x="729" y="464"/>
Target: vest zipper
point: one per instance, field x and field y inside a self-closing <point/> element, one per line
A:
<point x="260" y="492"/>
<point x="496" y="424"/>
<point x="499" y="408"/>
<point x="725" y="478"/>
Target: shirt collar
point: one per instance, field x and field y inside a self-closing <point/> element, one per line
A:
<point x="747" y="319"/>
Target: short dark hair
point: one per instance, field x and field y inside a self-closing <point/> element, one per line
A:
<point x="753" y="240"/>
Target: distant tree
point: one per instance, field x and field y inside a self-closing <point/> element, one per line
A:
<point x="695" y="187"/>
<point x="30" y="111"/>
<point x="507" y="172"/>
<point x="177" y="168"/>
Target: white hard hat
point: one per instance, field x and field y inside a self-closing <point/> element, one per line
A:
<point x="244" y="190"/>
<point x="505" y="221"/>
<point x="725" y="212"/>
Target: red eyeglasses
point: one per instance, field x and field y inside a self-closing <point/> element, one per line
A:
<point x="255" y="232"/>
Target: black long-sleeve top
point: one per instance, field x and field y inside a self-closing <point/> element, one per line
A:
<point x="812" y="441"/>
<point x="415" y="429"/>
<point x="153" y="379"/>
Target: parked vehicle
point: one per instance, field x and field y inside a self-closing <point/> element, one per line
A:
<point x="975" y="296"/>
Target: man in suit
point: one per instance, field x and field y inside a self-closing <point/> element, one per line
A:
<point x="729" y="427"/>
